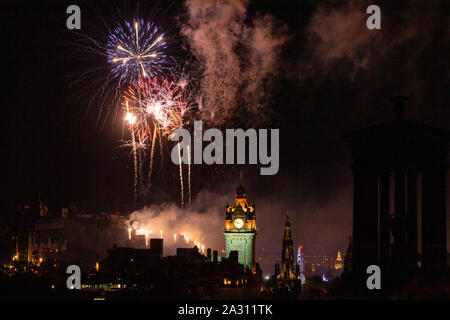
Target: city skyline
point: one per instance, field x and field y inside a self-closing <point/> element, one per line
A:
<point x="351" y="117"/>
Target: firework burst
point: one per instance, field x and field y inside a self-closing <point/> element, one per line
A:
<point x="158" y="102"/>
<point x="136" y="50"/>
<point x="118" y="46"/>
<point x="154" y="106"/>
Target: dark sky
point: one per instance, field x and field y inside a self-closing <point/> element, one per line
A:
<point x="331" y="75"/>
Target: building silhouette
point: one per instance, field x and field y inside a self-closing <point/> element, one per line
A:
<point x="348" y="259"/>
<point x="128" y="272"/>
<point x="399" y="177"/>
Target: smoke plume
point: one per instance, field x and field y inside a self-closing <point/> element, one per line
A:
<point x="202" y="223"/>
<point x="238" y="56"/>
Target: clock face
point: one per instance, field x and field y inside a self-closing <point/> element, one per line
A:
<point x="238" y="223"/>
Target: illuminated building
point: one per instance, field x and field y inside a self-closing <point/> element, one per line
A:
<point x="286" y="275"/>
<point x="339" y="264"/>
<point x="301" y="264"/>
<point x="287" y="271"/>
<point x="240" y="229"/>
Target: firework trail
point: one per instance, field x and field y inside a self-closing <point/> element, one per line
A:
<point x="161" y="151"/>
<point x="181" y="176"/>
<point x="131" y="119"/>
<point x="135" y="164"/>
<point x="189" y="173"/>
<point x="152" y="152"/>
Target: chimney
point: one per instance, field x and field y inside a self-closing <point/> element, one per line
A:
<point x="215" y="256"/>
<point x="234" y="255"/>
<point x="156" y="246"/>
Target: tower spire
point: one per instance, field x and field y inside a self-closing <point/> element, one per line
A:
<point x="240" y="228"/>
<point x="288" y="220"/>
<point x="287" y="269"/>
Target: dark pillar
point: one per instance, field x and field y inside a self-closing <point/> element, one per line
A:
<point x="384" y="219"/>
<point x="399" y="224"/>
<point x="411" y="220"/>
<point x="365" y="219"/>
<point x="434" y="238"/>
<point x="357" y="208"/>
<point x="399" y="193"/>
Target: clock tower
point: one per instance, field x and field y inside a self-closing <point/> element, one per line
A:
<point x="240" y="229"/>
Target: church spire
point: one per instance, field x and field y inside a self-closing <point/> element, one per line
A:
<point x="287" y="268"/>
<point x="240" y="192"/>
<point x="287" y="229"/>
<point x="288" y="221"/>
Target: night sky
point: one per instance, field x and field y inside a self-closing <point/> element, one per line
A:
<point x="328" y="74"/>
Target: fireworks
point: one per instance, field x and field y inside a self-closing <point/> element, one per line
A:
<point x="154" y="106"/>
<point x="131" y="119"/>
<point x="119" y="48"/>
<point x="136" y="50"/>
<point x="181" y="177"/>
<point x="133" y="65"/>
<point x="159" y="102"/>
<point x="189" y="174"/>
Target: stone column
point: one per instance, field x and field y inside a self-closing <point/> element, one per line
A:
<point x="434" y="225"/>
<point x="365" y="219"/>
<point x="411" y="219"/>
<point x="398" y="249"/>
<point x="399" y="193"/>
<point x="384" y="219"/>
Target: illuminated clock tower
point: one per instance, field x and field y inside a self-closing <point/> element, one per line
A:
<point x="240" y="229"/>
